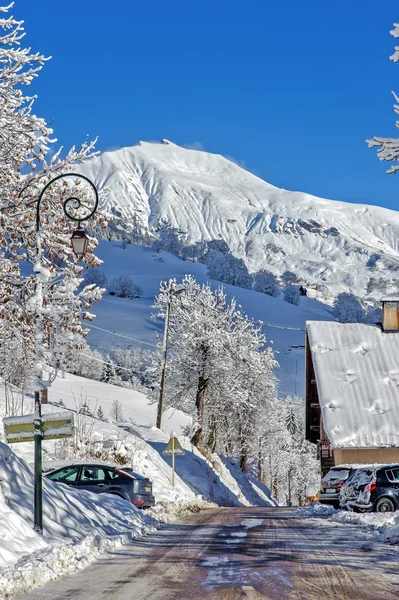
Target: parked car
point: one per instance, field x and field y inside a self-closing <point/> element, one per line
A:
<point x="332" y="482"/>
<point x="106" y="479"/>
<point x="375" y="487"/>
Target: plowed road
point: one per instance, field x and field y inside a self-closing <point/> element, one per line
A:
<point x="240" y="553"/>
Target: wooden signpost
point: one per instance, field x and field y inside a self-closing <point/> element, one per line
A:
<point x="173" y="448"/>
<point x="27" y="429"/>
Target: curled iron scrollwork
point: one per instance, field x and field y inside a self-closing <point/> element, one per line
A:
<point x="76" y="209"/>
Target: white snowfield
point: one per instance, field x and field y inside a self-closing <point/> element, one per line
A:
<point x="79" y="526"/>
<point x="209" y="197"/>
<point x="132" y="318"/>
<point x="357" y="373"/>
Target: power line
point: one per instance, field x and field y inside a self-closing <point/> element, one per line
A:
<point x="122" y="336"/>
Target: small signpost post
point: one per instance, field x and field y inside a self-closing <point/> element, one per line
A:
<point x="173" y="448"/>
<point x="49" y="427"/>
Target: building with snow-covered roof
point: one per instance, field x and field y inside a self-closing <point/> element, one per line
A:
<point x="352" y="389"/>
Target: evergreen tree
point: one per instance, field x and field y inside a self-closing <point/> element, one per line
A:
<point x="100" y="413"/>
<point x="108" y="374"/>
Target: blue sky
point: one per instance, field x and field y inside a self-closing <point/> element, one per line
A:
<point x="290" y="89"/>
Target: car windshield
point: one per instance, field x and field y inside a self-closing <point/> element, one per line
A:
<point x="336" y="475"/>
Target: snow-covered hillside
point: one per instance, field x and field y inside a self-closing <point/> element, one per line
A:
<point x="132" y="318"/>
<point x="210" y="197"/>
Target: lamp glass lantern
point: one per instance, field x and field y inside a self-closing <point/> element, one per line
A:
<point x="79" y="242"/>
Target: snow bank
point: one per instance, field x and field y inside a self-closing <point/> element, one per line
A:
<point x="78" y="526"/>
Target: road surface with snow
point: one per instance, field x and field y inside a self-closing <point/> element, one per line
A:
<point x="237" y="553"/>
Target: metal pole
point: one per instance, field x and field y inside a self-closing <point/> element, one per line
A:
<point x="173" y="462"/>
<point x="38" y="519"/>
<point x="164" y="353"/>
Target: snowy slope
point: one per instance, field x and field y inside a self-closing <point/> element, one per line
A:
<point x="210" y="197"/>
<point x="133" y="317"/>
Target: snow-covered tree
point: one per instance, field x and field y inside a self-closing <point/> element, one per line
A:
<point x="347" y="309"/>
<point x="218" y="368"/>
<point x="116" y="412"/>
<point x="291" y="294"/>
<point x="388" y="148"/>
<point x="85" y="363"/>
<point x="123" y="286"/>
<point x="27" y="163"/>
<point x="266" y="283"/>
<point x="100" y="414"/>
<point x="377" y="284"/>
<point x="227" y="268"/>
<point x="168" y="238"/>
<point x="108" y="373"/>
<point x="288" y="277"/>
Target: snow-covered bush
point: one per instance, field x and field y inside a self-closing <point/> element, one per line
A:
<point x="228" y="268"/>
<point x="291" y="294"/>
<point x="123" y="286"/>
<point x="265" y="282"/>
<point x="95" y="276"/>
<point x="347" y="309"/>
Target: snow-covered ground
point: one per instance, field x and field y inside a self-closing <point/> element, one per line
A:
<point x="284" y="323"/>
<point x="78" y="526"/>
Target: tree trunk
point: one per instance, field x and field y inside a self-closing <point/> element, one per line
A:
<point x="244" y="460"/>
<point x="211" y="442"/>
<point x="197" y="439"/>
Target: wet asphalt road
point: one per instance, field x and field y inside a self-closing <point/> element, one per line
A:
<point x="239" y="553"/>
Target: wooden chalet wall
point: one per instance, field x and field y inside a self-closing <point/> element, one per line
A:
<point x="312" y="399"/>
<point x="314" y="430"/>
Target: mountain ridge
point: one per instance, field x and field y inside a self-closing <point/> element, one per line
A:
<point x="208" y="196"/>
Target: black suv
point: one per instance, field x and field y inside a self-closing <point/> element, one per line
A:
<point x="373" y="488"/>
<point x="108" y="479"/>
<point x="332" y="482"/>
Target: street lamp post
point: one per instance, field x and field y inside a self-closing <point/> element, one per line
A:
<point x="81" y="212"/>
<point x="170" y="292"/>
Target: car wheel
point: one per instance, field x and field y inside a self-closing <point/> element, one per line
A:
<point x="385" y="505"/>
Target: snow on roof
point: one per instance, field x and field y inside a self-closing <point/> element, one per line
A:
<point x="357" y="374"/>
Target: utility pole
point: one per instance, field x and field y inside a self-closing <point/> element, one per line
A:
<point x="164" y="353"/>
<point x="171" y="292"/>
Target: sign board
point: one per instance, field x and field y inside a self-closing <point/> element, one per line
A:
<point x="173" y="447"/>
<point x="53" y="426"/>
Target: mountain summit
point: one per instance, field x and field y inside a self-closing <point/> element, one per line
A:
<point x="208" y="196"/>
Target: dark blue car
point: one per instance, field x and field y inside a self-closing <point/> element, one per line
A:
<point x="373" y="488"/>
<point x="106" y="479"/>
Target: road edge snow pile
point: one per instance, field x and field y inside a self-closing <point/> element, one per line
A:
<point x="383" y="527"/>
<point x="78" y="527"/>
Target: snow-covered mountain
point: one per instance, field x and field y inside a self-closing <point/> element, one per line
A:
<point x="210" y="197"/>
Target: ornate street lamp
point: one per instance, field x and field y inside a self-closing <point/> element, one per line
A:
<point x="79" y="242"/>
<point x="76" y="210"/>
